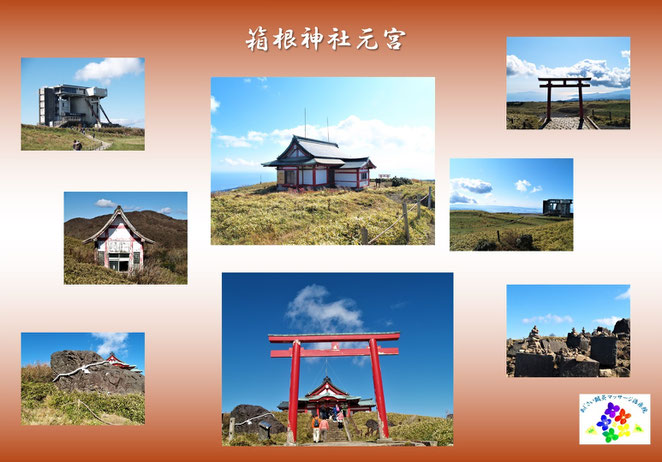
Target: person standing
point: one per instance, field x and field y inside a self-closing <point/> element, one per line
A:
<point x="341" y="419"/>
<point x="315" y="424"/>
<point x="324" y="429"/>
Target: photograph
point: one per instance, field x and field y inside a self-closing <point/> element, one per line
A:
<point x="322" y="161"/>
<point x="125" y="238"/>
<point x="568" y="83"/>
<point x="511" y="204"/>
<point x="337" y="359"/>
<point x="82" y="104"/>
<point x="568" y="331"/>
<point x="80" y="378"/>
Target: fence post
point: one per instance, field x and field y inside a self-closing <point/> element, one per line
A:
<point x="364" y="236"/>
<point x="498" y="236"/>
<point x="418" y="206"/>
<point x="406" y="220"/>
<point x="231" y="430"/>
<point x="429" y="196"/>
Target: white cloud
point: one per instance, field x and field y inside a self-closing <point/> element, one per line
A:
<point x="238" y="161"/>
<point x="112" y="342"/>
<point x="548" y="318"/>
<point x="522" y="185"/>
<point x="459" y="198"/>
<point x="624" y="296"/>
<point x="310" y="309"/>
<point x="110" y="68"/>
<point x="213" y="130"/>
<point x="597" y="69"/>
<point x="247" y="80"/>
<point x="262" y="79"/>
<point x="230" y="141"/>
<point x="214" y="104"/>
<point x="132" y="208"/>
<point x="140" y="123"/>
<point x="607" y="322"/>
<point x="166" y="210"/>
<point x="626" y="54"/>
<point x="536" y="189"/>
<point x="105" y="203"/>
<point x="471" y="184"/>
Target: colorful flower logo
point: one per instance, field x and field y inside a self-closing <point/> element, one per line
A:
<point x="622" y="417"/>
<point x="612" y="410"/>
<point x="604" y="422"/>
<point x="610" y="435"/>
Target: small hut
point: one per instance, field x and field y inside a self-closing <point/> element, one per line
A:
<point x="309" y="163"/>
<point x="118" y="245"/>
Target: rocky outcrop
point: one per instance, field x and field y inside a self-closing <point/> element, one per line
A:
<point x="103" y="378"/>
<point x="256" y="414"/>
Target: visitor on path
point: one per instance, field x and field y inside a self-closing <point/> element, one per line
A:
<point x="335" y="413"/>
<point x="324" y="428"/>
<point x="341" y="419"/>
<point x="315" y="424"/>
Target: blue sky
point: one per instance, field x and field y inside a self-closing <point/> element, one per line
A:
<point x="605" y="59"/>
<point x="37" y="347"/>
<point x="123" y="77"/>
<point x="94" y="204"/>
<point x="510" y="182"/>
<point x="556" y="309"/>
<point x="419" y="380"/>
<point x="390" y="119"/>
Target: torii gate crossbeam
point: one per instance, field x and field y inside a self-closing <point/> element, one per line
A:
<point x="297" y="352"/>
<point x="563" y="83"/>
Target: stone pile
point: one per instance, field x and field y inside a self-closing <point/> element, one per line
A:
<point x="602" y="353"/>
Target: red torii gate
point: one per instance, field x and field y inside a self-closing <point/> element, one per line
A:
<point x="297" y="352"/>
<point x="550" y="84"/>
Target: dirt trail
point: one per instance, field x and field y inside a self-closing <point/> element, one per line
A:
<point x="566" y="123"/>
<point x="104" y="145"/>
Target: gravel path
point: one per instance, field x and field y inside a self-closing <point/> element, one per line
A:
<point x="566" y="123"/>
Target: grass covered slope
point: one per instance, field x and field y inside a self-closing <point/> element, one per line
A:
<point x="43" y="404"/>
<point x="527" y="115"/>
<point x="166" y="261"/>
<point x="403" y="427"/>
<point x="468" y="227"/>
<point x="259" y="215"/>
<point x="39" y="138"/>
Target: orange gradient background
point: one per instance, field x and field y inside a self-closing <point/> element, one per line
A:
<point x="461" y="44"/>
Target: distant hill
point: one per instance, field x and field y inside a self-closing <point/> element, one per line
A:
<point x="526" y="96"/>
<point x="164" y="230"/>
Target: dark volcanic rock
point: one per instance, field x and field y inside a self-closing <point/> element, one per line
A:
<point x="243" y="412"/>
<point x="573" y="340"/>
<point x="534" y="365"/>
<point x="524" y="242"/>
<point x="579" y="367"/>
<point x="104" y="378"/>
<point x="484" y="245"/>
<point x="552" y="344"/>
<point x="603" y="350"/>
<point x="622" y="326"/>
<point x="514" y="348"/>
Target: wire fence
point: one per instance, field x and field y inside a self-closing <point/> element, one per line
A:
<point x="404" y="217"/>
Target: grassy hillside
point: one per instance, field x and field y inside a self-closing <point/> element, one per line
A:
<point x="260" y="215"/>
<point x="468" y="227"/>
<point x="402" y="427"/>
<point x="165" y="261"/>
<point x="38" y="138"/>
<point x="529" y="115"/>
<point x="43" y="404"/>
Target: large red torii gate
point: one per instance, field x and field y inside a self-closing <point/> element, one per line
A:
<point x="296" y="352"/>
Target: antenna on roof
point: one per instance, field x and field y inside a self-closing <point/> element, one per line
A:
<point x="327" y="130"/>
<point x="304" y="123"/>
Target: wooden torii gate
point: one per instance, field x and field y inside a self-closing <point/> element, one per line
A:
<point x="550" y="84"/>
<point x="296" y="352"/>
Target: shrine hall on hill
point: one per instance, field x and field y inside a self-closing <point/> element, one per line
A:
<point x="326" y="396"/>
